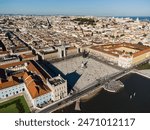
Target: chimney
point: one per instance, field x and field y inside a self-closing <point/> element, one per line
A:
<point x="25" y="64"/>
<point x="48" y="83"/>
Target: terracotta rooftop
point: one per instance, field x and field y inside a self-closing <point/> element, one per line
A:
<point x="141" y="52"/>
<point x="34" y="78"/>
<point x="4" y="52"/>
<point x="12" y="64"/>
<point x="31" y="66"/>
<point x="34" y="67"/>
<point x="35" y="86"/>
<point x="12" y="81"/>
<point x="111" y="49"/>
<point x="29" y="55"/>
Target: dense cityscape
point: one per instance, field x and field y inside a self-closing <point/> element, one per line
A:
<point x="53" y="61"/>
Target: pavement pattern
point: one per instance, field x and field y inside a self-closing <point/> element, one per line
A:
<point x="86" y="75"/>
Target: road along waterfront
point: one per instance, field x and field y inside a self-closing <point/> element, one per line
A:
<point x="134" y="98"/>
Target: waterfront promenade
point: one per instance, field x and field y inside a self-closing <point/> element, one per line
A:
<point x="77" y="95"/>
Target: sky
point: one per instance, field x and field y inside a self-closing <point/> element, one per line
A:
<point x="77" y="7"/>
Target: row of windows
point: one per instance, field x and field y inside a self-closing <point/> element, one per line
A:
<point x="44" y="102"/>
<point x="13" y="93"/>
<point x="19" y="67"/>
<point x="14" y="89"/>
<point x="43" y="98"/>
<point x="58" y="93"/>
<point x="60" y="88"/>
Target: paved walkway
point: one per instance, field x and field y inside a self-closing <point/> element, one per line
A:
<point x="145" y="72"/>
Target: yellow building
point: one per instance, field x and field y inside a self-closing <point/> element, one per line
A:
<point x="125" y="54"/>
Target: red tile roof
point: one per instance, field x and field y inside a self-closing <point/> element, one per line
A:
<point x="36" y="88"/>
<point x="111" y="48"/>
<point x="35" y="78"/>
<point x="12" y="64"/>
<point x="29" y="55"/>
<point x="9" y="83"/>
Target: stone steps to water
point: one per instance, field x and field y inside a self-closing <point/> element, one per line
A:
<point x="114" y="86"/>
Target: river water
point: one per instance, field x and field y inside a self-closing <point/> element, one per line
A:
<point x="133" y="98"/>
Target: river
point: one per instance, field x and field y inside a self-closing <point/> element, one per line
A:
<point x="133" y="98"/>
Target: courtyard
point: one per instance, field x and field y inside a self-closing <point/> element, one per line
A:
<point x="16" y="105"/>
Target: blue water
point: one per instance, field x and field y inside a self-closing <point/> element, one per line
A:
<point x="141" y="18"/>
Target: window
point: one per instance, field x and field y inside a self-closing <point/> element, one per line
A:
<point x="6" y="95"/>
<point x="23" y="89"/>
<point x="16" y="91"/>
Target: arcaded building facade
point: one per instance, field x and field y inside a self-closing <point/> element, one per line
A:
<point x="124" y="55"/>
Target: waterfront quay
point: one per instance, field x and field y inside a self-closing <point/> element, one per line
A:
<point x="133" y="98"/>
<point x="93" y="87"/>
<point x="99" y="83"/>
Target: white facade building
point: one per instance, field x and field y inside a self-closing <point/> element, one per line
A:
<point x="42" y="99"/>
<point x="11" y="91"/>
<point x="29" y="78"/>
<point x="58" y="86"/>
<point x="124" y="62"/>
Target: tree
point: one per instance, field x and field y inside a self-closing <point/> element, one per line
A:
<point x="140" y="43"/>
<point x="9" y="35"/>
<point x="17" y="30"/>
<point x="131" y="53"/>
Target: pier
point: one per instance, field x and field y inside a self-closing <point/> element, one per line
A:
<point x="113" y="86"/>
<point x="77" y="105"/>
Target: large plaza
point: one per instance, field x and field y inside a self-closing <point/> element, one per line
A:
<point x="81" y="72"/>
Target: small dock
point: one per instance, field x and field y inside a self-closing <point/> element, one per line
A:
<point x="114" y="86"/>
<point x="77" y="105"/>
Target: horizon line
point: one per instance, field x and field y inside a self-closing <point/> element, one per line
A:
<point x="74" y="15"/>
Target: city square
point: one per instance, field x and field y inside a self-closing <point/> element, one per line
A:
<point x="84" y="75"/>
